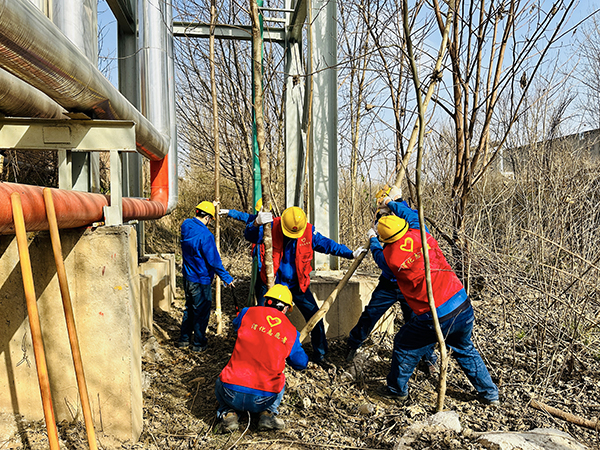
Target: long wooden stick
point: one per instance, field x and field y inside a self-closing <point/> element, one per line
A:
<point x="215" y="111"/>
<point x="61" y="273"/>
<point x="312" y="322"/>
<point x="265" y="177"/>
<point x="34" y="320"/>
<point x="593" y="424"/>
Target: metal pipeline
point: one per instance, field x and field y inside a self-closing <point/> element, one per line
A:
<point x="74" y="209"/>
<point x="157" y="77"/>
<point x="36" y="51"/>
<point x="32" y="48"/>
<point x="19" y="99"/>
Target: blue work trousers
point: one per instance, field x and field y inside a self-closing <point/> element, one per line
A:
<point x="383" y="297"/>
<point x="241" y="401"/>
<point x="418" y="337"/>
<point x="307" y="305"/>
<point x="198" y="300"/>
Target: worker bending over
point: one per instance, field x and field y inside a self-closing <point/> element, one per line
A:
<point x="253" y="379"/>
<point x="386" y="293"/>
<point x="294" y="243"/>
<point x="403" y="253"/>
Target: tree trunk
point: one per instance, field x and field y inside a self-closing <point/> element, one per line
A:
<point x="260" y="135"/>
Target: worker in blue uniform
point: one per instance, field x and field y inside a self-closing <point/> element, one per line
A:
<point x="201" y="261"/>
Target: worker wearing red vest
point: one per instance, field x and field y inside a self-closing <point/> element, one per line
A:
<point x="294" y="243"/>
<point x="253" y="379"/>
<point x="403" y="252"/>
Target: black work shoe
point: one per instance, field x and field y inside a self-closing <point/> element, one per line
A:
<point x="489" y="402"/>
<point x="351" y="355"/>
<point x="182" y="344"/>
<point x="230" y="421"/>
<point x="269" y="421"/>
<point x="384" y="391"/>
<point x="199" y="348"/>
<point x="324" y="363"/>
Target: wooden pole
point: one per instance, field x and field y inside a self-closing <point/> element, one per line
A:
<point x="34" y="320"/>
<point x="69" y="318"/>
<point x="593" y="424"/>
<point x="312" y="322"/>
<point x="215" y="110"/>
<point x="257" y="44"/>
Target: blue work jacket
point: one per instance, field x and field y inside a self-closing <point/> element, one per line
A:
<point x="201" y="260"/>
<point x="287" y="269"/>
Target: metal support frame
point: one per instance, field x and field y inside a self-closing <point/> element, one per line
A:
<point x="69" y="137"/>
<point x="238" y="32"/>
<point x="323" y="199"/>
<point x="324" y="165"/>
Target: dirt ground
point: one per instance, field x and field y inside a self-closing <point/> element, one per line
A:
<point x="338" y="408"/>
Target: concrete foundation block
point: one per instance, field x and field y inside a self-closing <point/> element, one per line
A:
<point x="162" y="270"/>
<point x="348" y="306"/>
<point x="102" y="273"/>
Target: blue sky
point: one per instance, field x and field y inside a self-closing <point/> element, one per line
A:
<point x="107" y="45"/>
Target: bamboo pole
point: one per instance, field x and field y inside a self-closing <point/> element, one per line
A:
<point x="70" y="318"/>
<point x="312" y="322"/>
<point x="215" y="111"/>
<point x="34" y="320"/>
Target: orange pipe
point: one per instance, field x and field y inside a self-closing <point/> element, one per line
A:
<point x="76" y="209"/>
<point x="34" y="320"/>
<point x="70" y="319"/>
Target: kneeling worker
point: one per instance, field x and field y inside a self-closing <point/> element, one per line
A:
<point x="253" y="379"/>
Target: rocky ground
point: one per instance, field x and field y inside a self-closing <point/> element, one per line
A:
<point x="340" y="408"/>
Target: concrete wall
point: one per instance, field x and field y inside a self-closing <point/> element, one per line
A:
<point x="102" y="272"/>
<point x="347" y="308"/>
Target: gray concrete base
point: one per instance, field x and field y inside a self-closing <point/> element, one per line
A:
<point x="348" y="306"/>
<point x="102" y="271"/>
<point x="162" y="270"/>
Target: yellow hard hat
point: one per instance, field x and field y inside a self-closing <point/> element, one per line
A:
<point x="206" y="207"/>
<point x="391" y="228"/>
<point x="293" y="222"/>
<point x="279" y="292"/>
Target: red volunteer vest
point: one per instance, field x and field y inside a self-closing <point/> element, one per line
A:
<point x="405" y="258"/>
<point x="304" y="254"/>
<point x="264" y="340"/>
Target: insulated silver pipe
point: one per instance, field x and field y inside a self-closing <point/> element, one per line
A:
<point x="171" y="99"/>
<point x="34" y="49"/>
<point x="78" y="21"/>
<point x="19" y="99"/>
<point x="158" y="83"/>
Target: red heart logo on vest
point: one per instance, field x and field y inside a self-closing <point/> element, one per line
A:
<point x="273" y="321"/>
<point x="408" y="245"/>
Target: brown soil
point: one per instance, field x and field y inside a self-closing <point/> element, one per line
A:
<point x="339" y="408"/>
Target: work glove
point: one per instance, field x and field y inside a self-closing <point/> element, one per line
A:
<point x="223" y="212"/>
<point x="395" y="193"/>
<point x="383" y="201"/>
<point x="263" y="217"/>
<point x="371" y="233"/>
<point x="359" y="251"/>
